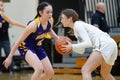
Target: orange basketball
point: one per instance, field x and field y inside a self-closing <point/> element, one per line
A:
<point x="62" y="41"/>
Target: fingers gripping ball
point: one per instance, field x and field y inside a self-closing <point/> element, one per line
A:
<point x="62" y="41"/>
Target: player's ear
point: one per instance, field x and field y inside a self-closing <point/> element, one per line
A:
<point x="70" y="19"/>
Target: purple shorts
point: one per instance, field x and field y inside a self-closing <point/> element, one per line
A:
<point x="39" y="51"/>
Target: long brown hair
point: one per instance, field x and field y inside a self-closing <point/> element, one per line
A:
<point x="70" y="13"/>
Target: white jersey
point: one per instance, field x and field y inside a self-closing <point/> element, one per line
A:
<point x="90" y="36"/>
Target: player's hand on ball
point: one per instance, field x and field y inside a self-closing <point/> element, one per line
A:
<point x="66" y="48"/>
<point x="62" y="42"/>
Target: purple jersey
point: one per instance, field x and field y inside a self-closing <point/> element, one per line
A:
<point x="34" y="41"/>
<point x="1" y="19"/>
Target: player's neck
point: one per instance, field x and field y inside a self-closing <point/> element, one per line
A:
<point x="43" y="21"/>
<point x="71" y="25"/>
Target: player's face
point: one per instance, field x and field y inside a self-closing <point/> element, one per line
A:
<point x="64" y="20"/>
<point x="1" y="6"/>
<point x="47" y="12"/>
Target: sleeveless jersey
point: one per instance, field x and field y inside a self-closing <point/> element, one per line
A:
<point x="35" y="39"/>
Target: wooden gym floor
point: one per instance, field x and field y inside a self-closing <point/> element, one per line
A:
<point x="25" y="75"/>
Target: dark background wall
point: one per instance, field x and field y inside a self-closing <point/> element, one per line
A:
<point x="59" y="5"/>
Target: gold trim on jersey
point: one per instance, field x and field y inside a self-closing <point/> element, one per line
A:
<point x="40" y="36"/>
<point x="48" y="36"/>
<point x="23" y="47"/>
<point x="39" y="43"/>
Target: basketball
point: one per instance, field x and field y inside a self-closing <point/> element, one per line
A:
<point x="62" y="41"/>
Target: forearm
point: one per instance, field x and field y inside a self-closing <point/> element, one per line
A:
<point x="53" y="34"/>
<point x="13" y="50"/>
<point x="10" y="21"/>
<point x="81" y="45"/>
<point x="18" y="24"/>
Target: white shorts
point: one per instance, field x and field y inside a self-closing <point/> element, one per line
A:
<point x="108" y="49"/>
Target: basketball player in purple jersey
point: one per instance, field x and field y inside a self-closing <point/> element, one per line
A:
<point x="29" y="43"/>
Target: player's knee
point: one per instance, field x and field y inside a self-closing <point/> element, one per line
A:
<point x="84" y="70"/>
<point x="50" y="74"/>
<point x="38" y="70"/>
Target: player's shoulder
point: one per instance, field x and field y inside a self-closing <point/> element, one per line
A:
<point x="32" y="24"/>
<point x="77" y="23"/>
<point x="37" y="20"/>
